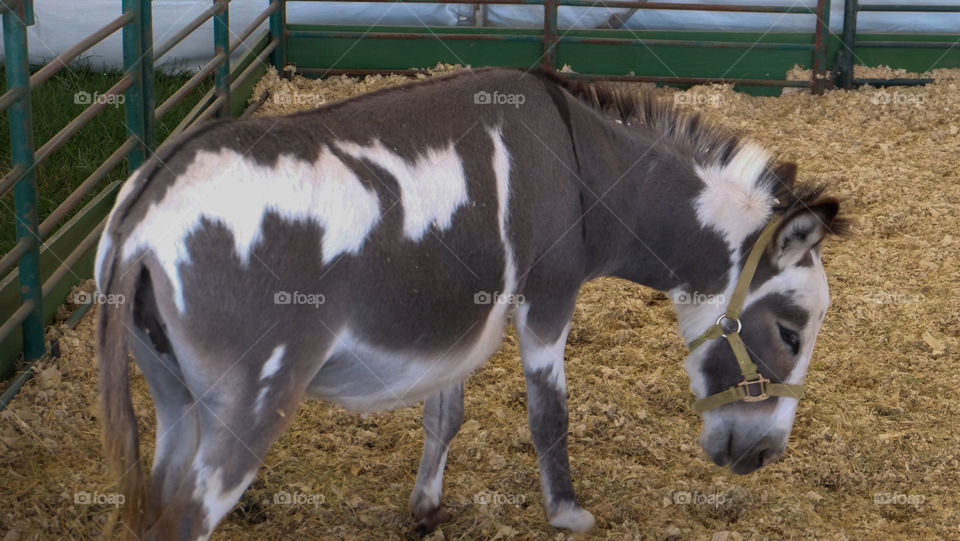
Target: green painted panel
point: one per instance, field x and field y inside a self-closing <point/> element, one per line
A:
<point x="608" y="59"/>
<point x="55" y="250"/>
<point x="913" y="60"/>
<point x="240" y="94"/>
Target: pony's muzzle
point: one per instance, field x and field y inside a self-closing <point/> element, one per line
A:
<point x="741" y="454"/>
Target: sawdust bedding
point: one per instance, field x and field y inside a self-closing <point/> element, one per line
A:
<point x="875" y="446"/>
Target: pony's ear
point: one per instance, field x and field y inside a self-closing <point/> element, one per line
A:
<point x="801" y="230"/>
<point x="786" y="173"/>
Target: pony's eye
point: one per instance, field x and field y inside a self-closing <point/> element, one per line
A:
<point x="790" y="338"/>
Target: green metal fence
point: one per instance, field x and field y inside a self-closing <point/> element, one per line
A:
<point x="754" y="61"/>
<point x="37" y="281"/>
<point x="29" y="278"/>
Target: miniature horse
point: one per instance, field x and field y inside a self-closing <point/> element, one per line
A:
<point x="371" y="253"/>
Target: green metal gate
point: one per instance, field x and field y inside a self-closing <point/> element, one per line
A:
<point x="34" y="279"/>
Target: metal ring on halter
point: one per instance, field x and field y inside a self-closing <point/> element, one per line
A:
<point x="723" y="330"/>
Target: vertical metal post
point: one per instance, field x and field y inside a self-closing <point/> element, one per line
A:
<point x="221" y="44"/>
<point x="820" y="45"/>
<point x="549" y="59"/>
<point x="24" y="191"/>
<point x="146" y="65"/>
<point x="278" y="21"/>
<point x="135" y="120"/>
<point x="847" y="53"/>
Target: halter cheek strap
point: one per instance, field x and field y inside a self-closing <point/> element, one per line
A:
<point x="754" y="387"/>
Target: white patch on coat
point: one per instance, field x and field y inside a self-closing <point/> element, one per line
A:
<point x="432" y="188"/>
<point x="273" y="363"/>
<point x="734" y="202"/>
<point x="433" y="488"/>
<point x="806" y="286"/>
<point x="537" y="355"/>
<point x="571" y="516"/>
<point x="501" y="169"/>
<point x="237" y="192"/>
<point x="403" y="379"/>
<point x="811" y="292"/>
<point x="216" y="500"/>
<point x="269" y="369"/>
<point x="103" y="247"/>
<point x="393" y="379"/>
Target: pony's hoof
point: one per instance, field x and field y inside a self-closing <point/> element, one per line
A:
<point x="572" y="517"/>
<point x="429" y="522"/>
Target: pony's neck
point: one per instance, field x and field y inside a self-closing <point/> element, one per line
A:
<point x="641" y="218"/>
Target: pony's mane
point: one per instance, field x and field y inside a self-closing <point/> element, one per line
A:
<point x="699" y="138"/>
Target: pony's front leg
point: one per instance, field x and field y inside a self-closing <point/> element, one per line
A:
<point x="542" y="352"/>
<point x="442" y="417"/>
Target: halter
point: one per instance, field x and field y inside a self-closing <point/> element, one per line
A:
<point x="754" y="387"/>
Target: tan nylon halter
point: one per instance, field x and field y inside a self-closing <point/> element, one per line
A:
<point x="754" y="386"/>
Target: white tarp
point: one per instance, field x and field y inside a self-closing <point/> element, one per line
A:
<point x="62" y="23"/>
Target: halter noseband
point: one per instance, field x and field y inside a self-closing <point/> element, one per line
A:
<point x="754" y="387"/>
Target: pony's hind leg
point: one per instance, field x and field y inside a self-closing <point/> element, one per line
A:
<point x="238" y="419"/>
<point x="442" y="416"/>
<point x="177" y="421"/>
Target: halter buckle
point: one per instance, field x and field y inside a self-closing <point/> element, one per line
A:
<point x="723" y="328"/>
<point x="756" y="390"/>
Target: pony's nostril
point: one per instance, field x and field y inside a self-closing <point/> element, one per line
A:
<point x="767" y="456"/>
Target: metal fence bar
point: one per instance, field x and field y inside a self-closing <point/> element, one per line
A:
<point x="678" y="6"/>
<point x="9" y="97"/>
<point x="10" y="178"/>
<point x="564" y="39"/>
<point x="212" y="109"/>
<point x="190" y="118"/>
<point x="278" y="23"/>
<point x="550" y="41"/>
<point x="24" y="191"/>
<point x="19" y="317"/>
<point x="191" y="83"/>
<point x="147" y="77"/>
<point x="194" y="115"/>
<point x="221" y="44"/>
<point x="10" y="258"/>
<point x="259" y="60"/>
<point x="67" y="265"/>
<point x="271" y="7"/>
<point x="746" y="8"/>
<point x="64" y="208"/>
<point x="64" y="58"/>
<point x="80" y="121"/>
<point x="909" y="7"/>
<point x="135" y="119"/>
<point x="849" y="41"/>
<point x="820" y="44"/>
<point x="591" y="76"/>
<point x="907" y="44"/>
<point x="165" y="47"/>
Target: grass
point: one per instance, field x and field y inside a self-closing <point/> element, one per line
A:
<point x="54" y="107"/>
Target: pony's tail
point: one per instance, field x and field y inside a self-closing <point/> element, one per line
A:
<point x="120" y="441"/>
